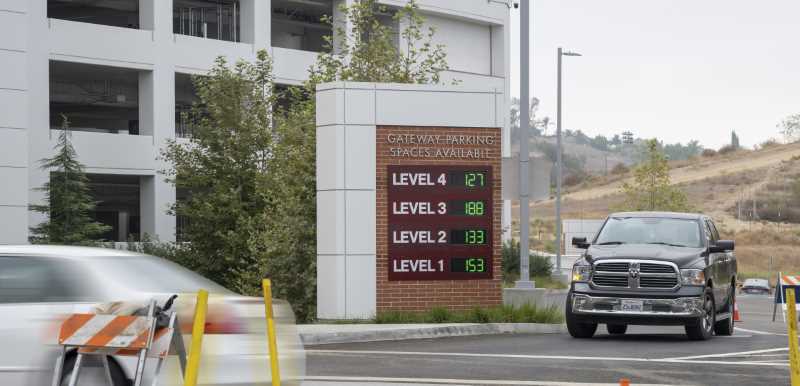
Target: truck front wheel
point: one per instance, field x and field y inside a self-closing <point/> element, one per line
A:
<point x="577" y="329"/>
<point x="703" y="328"/>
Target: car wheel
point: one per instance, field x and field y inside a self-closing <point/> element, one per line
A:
<point x="577" y="329"/>
<point x="703" y="328"/>
<point x="616" y="329"/>
<point x="117" y="374"/>
<point x="725" y="327"/>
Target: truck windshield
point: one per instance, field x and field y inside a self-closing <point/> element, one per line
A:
<point x="650" y="230"/>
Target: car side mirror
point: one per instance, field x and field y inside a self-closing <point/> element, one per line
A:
<point x="580" y="243"/>
<point x="722" y="246"/>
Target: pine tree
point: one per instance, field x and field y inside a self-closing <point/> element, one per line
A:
<point x="68" y="202"/>
<point x="651" y="188"/>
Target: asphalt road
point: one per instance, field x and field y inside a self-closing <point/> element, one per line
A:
<point x="755" y="355"/>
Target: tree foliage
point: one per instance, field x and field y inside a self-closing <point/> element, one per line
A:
<point x="365" y="47"/>
<point x="538" y="126"/>
<point x="735" y="140"/>
<point x="651" y="188"/>
<point x="250" y="166"/>
<point x="790" y="128"/>
<point x="68" y="202"/>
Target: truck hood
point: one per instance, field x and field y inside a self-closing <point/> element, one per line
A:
<point x="683" y="257"/>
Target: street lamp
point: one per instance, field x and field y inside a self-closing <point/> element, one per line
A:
<point x="559" y="150"/>
<point x="524" y="155"/>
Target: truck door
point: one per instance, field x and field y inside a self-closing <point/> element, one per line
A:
<point x="716" y="267"/>
<point x="728" y="266"/>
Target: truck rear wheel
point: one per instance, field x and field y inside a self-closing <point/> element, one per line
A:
<point x="725" y="327"/>
<point x="703" y="328"/>
<point x="577" y="329"/>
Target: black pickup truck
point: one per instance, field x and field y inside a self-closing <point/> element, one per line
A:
<point x="653" y="268"/>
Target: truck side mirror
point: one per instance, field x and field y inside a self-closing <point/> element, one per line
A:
<point x="580" y="242"/>
<point x="722" y="246"/>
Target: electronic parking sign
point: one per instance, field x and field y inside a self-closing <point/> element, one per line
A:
<point x="440" y="222"/>
<point x="409" y="199"/>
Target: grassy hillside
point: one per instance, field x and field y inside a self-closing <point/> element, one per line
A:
<point x="724" y="187"/>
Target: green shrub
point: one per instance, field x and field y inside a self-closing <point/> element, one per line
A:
<point x="528" y="313"/>
<point x="510" y="255"/>
<point x="439" y="315"/>
<point x="479" y="315"/>
<point x="539" y="265"/>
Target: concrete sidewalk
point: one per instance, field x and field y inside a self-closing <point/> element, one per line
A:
<point x="316" y="334"/>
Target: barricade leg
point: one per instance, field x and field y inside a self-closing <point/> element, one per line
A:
<point x="59" y="366"/>
<point x="107" y="370"/>
<point x="151" y="311"/>
<point x="158" y="370"/>
<point x="73" y="380"/>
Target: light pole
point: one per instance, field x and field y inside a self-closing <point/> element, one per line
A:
<point x="524" y="155"/>
<point x="559" y="150"/>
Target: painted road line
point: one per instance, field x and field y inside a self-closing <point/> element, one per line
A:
<point x="731" y="354"/>
<point x="688" y="360"/>
<point x="447" y="381"/>
<point x="759" y="332"/>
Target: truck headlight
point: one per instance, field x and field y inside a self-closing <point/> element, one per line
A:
<point x="581" y="272"/>
<point x="693" y="277"/>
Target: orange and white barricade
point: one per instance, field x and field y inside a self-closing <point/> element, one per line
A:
<point x="118" y="335"/>
<point x="785" y="282"/>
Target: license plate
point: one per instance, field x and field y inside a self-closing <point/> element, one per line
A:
<point x="632" y="305"/>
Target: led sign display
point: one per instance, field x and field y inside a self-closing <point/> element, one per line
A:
<point x="440" y="222"/>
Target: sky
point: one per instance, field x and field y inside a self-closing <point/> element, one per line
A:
<point x="673" y="69"/>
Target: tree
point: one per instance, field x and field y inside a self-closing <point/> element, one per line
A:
<point x="734" y="140"/>
<point x="68" y="202"/>
<point x="250" y="166"/>
<point x="373" y="51"/>
<point x="224" y="168"/>
<point x="790" y="128"/>
<point x="537" y="126"/>
<point x="651" y="188"/>
<point x="369" y="51"/>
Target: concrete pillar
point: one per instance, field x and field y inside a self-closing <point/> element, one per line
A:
<point x="157" y="119"/>
<point x="256" y="23"/>
<point x="38" y="75"/>
<point x="123" y="218"/>
<point x="14" y="124"/>
<point x="156" y="15"/>
<point x="340" y="21"/>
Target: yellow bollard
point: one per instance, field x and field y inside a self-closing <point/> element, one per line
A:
<point x="791" y="322"/>
<point x="273" y="345"/>
<point x="198" y="329"/>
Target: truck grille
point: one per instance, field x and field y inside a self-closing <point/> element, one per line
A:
<point x="655" y="268"/>
<point x="610" y="281"/>
<point x="613" y="267"/>
<point x="658" y="282"/>
<point x="635" y="274"/>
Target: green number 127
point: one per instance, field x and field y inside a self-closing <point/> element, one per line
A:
<point x="473" y="179"/>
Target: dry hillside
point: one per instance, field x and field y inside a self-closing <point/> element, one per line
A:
<point x="715" y="186"/>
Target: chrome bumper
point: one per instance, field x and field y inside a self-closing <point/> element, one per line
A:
<point x="679" y="307"/>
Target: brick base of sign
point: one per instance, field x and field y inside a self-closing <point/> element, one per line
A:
<point x="458" y="149"/>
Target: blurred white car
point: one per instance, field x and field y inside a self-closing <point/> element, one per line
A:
<point x="756" y="286"/>
<point x="41" y="285"/>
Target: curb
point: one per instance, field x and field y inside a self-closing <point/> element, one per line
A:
<point x="405" y="332"/>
